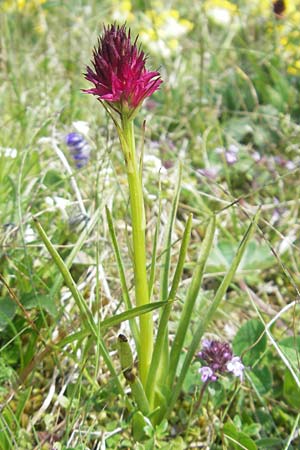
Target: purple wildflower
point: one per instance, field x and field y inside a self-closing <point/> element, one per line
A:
<point x="287" y="164"/>
<point x="119" y="71"/>
<point x="79" y="149"/>
<point x="207" y="374"/>
<point x="231" y="154"/>
<point x="219" y="359"/>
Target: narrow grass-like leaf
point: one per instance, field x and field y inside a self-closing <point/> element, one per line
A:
<point x="165" y="267"/>
<point x="5" y="441"/>
<point x="86" y="315"/>
<point x="163" y="323"/>
<point x="113" y="321"/>
<point x="24" y="397"/>
<point x="204" y="322"/>
<point x="125" y="292"/>
<point x="190" y="300"/>
<point x="79" y="243"/>
<point x="167" y="250"/>
<point x="132" y="313"/>
<point x="78" y="336"/>
<point x="154" y="248"/>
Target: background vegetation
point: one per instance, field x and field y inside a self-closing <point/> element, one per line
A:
<point x="229" y="110"/>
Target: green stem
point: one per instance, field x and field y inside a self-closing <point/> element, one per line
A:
<point x="139" y="249"/>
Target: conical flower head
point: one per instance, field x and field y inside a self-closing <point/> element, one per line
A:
<point x="119" y="71"/>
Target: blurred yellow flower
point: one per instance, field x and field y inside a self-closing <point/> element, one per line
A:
<point x="160" y="28"/>
<point x="24" y="6"/>
<point x="287" y="25"/>
<point x="220" y="11"/>
<point x="122" y="11"/>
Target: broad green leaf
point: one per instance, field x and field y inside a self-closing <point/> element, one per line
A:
<point x="45" y="302"/>
<point x="7" y="311"/>
<point x="250" y="341"/>
<point x="290" y="390"/>
<point x="237" y="439"/>
<point x="262" y="379"/>
<point x="291" y="348"/>
<point x="270" y="443"/>
<point x="257" y="256"/>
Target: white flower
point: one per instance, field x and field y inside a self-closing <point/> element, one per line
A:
<point x="29" y="235"/>
<point x="220" y="15"/>
<point x="236" y="366"/>
<point x="8" y="152"/>
<point x="81" y="126"/>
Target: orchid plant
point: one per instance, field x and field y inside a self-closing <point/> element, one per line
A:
<point x="121" y="82"/>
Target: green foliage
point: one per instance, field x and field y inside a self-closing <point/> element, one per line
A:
<point x="250" y="341"/>
<point x="237" y="439"/>
<point x="224" y="85"/>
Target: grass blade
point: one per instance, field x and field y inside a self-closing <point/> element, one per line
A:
<point x="86" y="315"/>
<point x="167" y="250"/>
<point x="154" y="248"/>
<point x="166" y="262"/>
<point x="132" y="313"/>
<point x="163" y="323"/>
<point x="125" y="292"/>
<point x="210" y="312"/>
<point x="190" y="300"/>
<point x="79" y="243"/>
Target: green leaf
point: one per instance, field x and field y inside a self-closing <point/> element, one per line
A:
<point x="237" y="439"/>
<point x="134" y="312"/>
<point x="290" y="346"/>
<point x="291" y="391"/>
<point x="167" y="250"/>
<point x="209" y="313"/>
<point x="45" y="302"/>
<point x="271" y="443"/>
<point x="190" y="300"/>
<point x="163" y="323"/>
<point x="7" y="311"/>
<point x="262" y="379"/>
<point x="86" y="315"/>
<point x="139" y="424"/>
<point x="113" y="321"/>
<point x="252" y="429"/>
<point x="122" y="276"/>
<point x="257" y="256"/>
<point x="24" y="397"/>
<point x="250" y="341"/>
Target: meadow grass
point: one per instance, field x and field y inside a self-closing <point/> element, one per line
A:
<point x="229" y="111"/>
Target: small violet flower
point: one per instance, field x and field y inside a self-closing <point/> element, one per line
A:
<point x="219" y="359"/>
<point x="79" y="149"/>
<point x="119" y="72"/>
<point x="207" y="374"/>
<point x="230" y="153"/>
